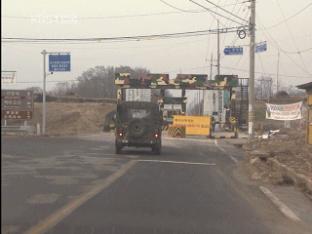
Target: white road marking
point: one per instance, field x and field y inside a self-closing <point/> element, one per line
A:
<point x="53" y="219"/>
<point x="280" y="205"/>
<point x="224" y="151"/>
<point x="121" y="158"/>
<point x="176" y="162"/>
<point x="188" y="139"/>
<point x="117" y="157"/>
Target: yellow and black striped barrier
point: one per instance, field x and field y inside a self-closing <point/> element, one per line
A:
<point x="175" y="131"/>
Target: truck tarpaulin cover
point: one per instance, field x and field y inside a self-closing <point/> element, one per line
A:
<point x="284" y="112"/>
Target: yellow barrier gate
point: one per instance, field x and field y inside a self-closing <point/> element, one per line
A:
<point x="194" y="125"/>
<point x="175" y="131"/>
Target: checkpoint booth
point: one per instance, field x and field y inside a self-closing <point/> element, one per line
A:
<point x="308" y="88"/>
<point x="217" y="96"/>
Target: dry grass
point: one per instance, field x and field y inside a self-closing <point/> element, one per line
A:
<point x="289" y="148"/>
<point x="73" y="118"/>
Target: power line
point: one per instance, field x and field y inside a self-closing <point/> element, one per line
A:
<point x="268" y="73"/>
<point x="192" y="11"/>
<point x="269" y="36"/>
<point x="289" y="18"/>
<point x="231" y="24"/>
<point x="209" y="41"/>
<point x="226" y="11"/>
<point x="179" y="9"/>
<point x="119" y="46"/>
<point x="121" y="38"/>
<point x="216" y="13"/>
<point x="243" y="70"/>
<point x="292" y="36"/>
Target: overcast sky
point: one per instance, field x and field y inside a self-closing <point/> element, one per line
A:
<point x="33" y="18"/>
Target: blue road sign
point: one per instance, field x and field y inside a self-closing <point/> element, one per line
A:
<point x="233" y="50"/>
<point x="261" y="47"/>
<point x="59" y="62"/>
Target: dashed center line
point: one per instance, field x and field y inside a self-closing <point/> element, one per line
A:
<point x="60" y="214"/>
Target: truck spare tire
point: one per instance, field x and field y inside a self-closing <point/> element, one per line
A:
<point x="136" y="128"/>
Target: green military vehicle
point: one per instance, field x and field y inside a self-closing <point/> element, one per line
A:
<point x="138" y="124"/>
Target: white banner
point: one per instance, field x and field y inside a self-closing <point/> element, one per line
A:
<point x="284" y="112"/>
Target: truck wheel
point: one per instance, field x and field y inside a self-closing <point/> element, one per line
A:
<point x="156" y="149"/>
<point x="118" y="148"/>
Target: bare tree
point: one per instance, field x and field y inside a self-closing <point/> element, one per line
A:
<point x="97" y="82"/>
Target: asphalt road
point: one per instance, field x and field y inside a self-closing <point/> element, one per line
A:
<point x="78" y="185"/>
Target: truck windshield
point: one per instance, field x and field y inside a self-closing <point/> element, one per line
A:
<point x="138" y="113"/>
<point x="126" y="114"/>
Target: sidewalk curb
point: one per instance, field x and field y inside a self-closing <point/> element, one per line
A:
<point x="300" y="180"/>
<point x="223" y="137"/>
<point x="279" y="204"/>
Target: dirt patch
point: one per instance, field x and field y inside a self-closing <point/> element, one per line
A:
<point x="73" y="118"/>
<point x="288" y="148"/>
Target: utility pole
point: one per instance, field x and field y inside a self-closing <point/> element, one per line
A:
<point x="211" y="65"/>
<point x="261" y="87"/>
<point x="44" y="53"/>
<point x="277" y="73"/>
<point x="251" y="93"/>
<point x="218" y="65"/>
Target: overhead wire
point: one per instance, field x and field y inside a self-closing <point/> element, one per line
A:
<point x="278" y="47"/>
<point x="289" y="18"/>
<point x="242" y="70"/>
<point x="216" y="13"/>
<point x="209" y="40"/>
<point x="231" y="23"/>
<point x="236" y="38"/>
<point x="292" y="36"/>
<point x="118" y="39"/>
<point x="179" y="9"/>
<point x="231" y="13"/>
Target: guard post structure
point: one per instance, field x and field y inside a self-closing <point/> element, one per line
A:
<point x="184" y="82"/>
